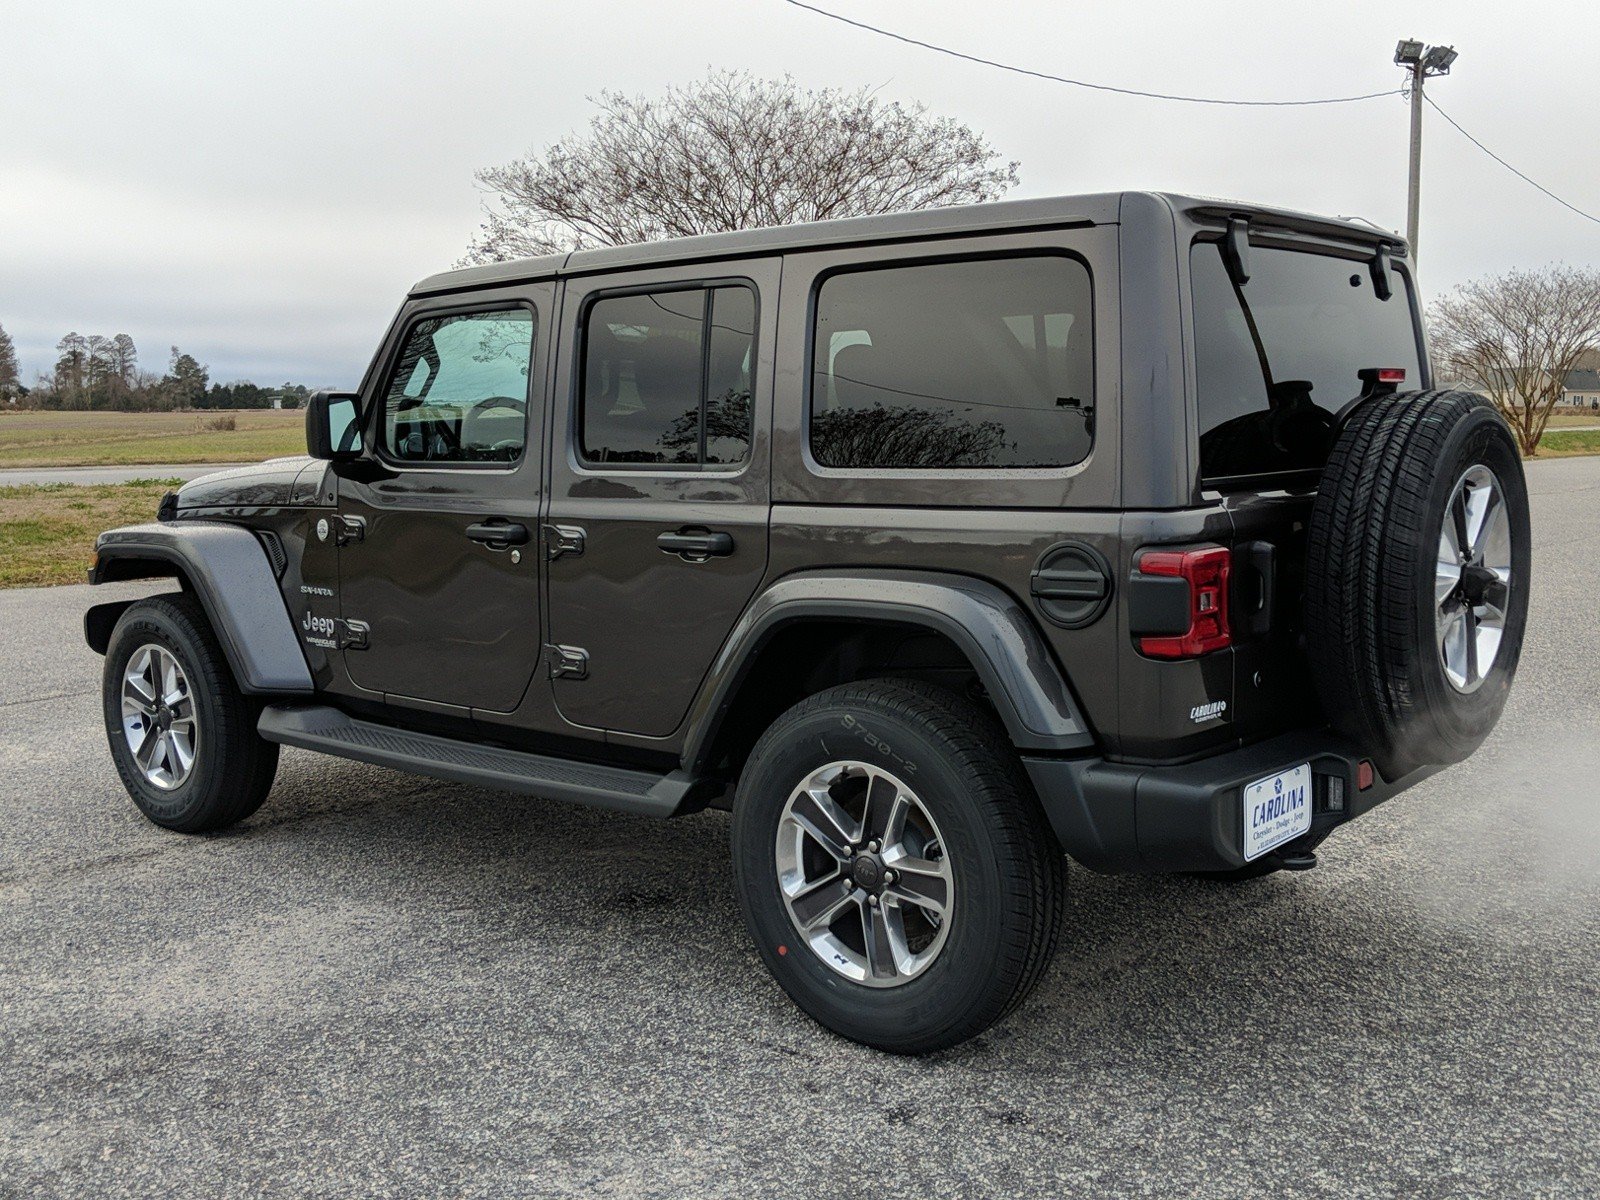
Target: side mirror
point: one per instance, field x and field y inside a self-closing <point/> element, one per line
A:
<point x="333" y="425"/>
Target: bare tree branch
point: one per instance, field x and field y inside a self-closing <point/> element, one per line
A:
<point x="1516" y="337"/>
<point x="730" y="152"/>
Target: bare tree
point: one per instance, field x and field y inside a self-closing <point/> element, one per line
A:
<point x="731" y="152"/>
<point x="1517" y="337"/>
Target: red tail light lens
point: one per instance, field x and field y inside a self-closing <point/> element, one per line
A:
<point x="1206" y="571"/>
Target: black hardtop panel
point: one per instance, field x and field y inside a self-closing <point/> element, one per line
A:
<point x="1100" y="208"/>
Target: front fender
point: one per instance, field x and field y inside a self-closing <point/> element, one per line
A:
<point x="228" y="569"/>
<point x="992" y="630"/>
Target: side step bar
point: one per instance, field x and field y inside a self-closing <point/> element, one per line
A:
<point x="320" y="727"/>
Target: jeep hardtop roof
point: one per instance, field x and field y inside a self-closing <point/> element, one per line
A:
<point x="1099" y="208"/>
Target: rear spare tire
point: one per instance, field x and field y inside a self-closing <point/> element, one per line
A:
<point x="1417" y="577"/>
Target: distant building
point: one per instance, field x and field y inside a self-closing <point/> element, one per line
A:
<point x="1582" y="389"/>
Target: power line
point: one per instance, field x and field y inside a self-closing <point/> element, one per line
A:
<point x="1506" y="165"/>
<point x="1098" y="87"/>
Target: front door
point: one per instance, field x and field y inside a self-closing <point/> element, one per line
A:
<point x="438" y="522"/>
<point x="657" y="534"/>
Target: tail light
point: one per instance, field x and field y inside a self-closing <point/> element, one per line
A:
<point x="1206" y="571"/>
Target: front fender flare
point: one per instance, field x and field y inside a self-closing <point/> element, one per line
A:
<point x="228" y="570"/>
<point x="996" y="634"/>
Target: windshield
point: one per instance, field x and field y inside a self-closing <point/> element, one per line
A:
<point x="1277" y="357"/>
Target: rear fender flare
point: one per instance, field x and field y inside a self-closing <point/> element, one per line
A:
<point x="228" y="571"/>
<point x="991" y="628"/>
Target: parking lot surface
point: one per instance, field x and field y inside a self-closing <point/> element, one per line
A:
<point x="383" y="985"/>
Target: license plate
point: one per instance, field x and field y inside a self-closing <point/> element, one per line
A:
<point x="1277" y="809"/>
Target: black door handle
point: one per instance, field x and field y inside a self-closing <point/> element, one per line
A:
<point x="497" y="535"/>
<point x="695" y="545"/>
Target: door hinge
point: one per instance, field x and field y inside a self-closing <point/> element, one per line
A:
<point x="568" y="662"/>
<point x="353" y="635"/>
<point x="350" y="529"/>
<point x="562" y="539"/>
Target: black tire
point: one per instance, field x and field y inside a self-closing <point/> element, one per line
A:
<point x="1008" y="873"/>
<point x="1370" y="604"/>
<point x="233" y="766"/>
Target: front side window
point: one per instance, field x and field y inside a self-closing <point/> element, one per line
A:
<point x="986" y="363"/>
<point x="667" y="377"/>
<point x="459" y="393"/>
<point x="1278" y="356"/>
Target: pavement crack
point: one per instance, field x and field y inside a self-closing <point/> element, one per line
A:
<point x="43" y="699"/>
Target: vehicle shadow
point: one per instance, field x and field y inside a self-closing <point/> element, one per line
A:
<point x="1154" y="977"/>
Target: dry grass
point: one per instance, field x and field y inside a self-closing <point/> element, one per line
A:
<point x="47" y="531"/>
<point x="83" y="439"/>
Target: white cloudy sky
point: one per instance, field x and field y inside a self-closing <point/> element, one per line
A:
<point x="259" y="183"/>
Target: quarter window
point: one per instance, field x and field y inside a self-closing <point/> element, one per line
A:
<point x="459" y="393"/>
<point x="667" y="377"/>
<point x="959" y="365"/>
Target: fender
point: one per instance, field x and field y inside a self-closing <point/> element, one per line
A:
<point x="228" y="569"/>
<point x="991" y="629"/>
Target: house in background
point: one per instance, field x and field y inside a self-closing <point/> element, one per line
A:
<point x="1582" y="390"/>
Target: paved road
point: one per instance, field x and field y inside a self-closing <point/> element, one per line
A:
<point x="13" y="476"/>
<point x="382" y="985"/>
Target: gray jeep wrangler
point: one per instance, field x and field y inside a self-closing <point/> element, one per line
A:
<point x="940" y="547"/>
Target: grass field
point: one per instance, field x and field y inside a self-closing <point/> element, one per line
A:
<point x="93" y="439"/>
<point x="47" y="532"/>
<point x="1567" y="442"/>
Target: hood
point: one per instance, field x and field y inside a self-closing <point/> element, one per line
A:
<point x="276" y="483"/>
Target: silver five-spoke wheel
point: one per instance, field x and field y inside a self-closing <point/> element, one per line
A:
<point x="158" y="716"/>
<point x="1472" y="579"/>
<point x="864" y="875"/>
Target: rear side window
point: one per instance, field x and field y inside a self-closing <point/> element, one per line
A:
<point x="667" y="377"/>
<point x="459" y="393"/>
<point x="1277" y="357"/>
<point x="958" y="365"/>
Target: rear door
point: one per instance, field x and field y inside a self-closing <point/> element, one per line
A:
<point x="656" y="537"/>
<point x="1277" y="357"/>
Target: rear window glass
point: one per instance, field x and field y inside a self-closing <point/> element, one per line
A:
<point x="985" y="363"/>
<point x="1276" y="358"/>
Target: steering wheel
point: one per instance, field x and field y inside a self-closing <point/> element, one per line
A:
<point x="478" y="411"/>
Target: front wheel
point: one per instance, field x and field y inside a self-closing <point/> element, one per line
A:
<point x="893" y="865"/>
<point x="182" y="735"/>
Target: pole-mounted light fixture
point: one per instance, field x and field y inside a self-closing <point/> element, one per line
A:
<point x="1421" y="63"/>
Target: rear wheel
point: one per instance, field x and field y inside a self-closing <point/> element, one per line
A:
<point x="893" y="866"/>
<point x="181" y="733"/>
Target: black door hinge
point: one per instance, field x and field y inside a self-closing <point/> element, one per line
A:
<point x="568" y="662"/>
<point x="562" y="539"/>
<point x="350" y="529"/>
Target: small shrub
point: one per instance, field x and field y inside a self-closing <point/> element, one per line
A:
<point x="225" y="424"/>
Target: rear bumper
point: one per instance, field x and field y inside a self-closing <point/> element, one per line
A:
<point x="1121" y="817"/>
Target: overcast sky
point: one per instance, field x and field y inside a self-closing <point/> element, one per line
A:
<point x="260" y="183"/>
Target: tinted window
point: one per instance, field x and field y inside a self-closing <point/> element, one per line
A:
<point x="1267" y="396"/>
<point x="954" y="365"/>
<point x="460" y="390"/>
<point x="666" y="377"/>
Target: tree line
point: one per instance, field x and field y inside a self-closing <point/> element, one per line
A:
<point x="97" y="373"/>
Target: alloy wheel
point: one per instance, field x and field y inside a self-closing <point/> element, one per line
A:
<point x="864" y="874"/>
<point x="158" y="716"/>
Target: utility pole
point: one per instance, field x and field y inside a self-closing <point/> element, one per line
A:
<point x="1423" y="62"/>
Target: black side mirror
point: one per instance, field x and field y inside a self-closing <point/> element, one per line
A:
<point x="333" y="425"/>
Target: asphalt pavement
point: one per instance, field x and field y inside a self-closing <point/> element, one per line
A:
<point x="386" y="986"/>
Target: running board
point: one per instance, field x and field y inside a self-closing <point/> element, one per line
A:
<point x="319" y="727"/>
